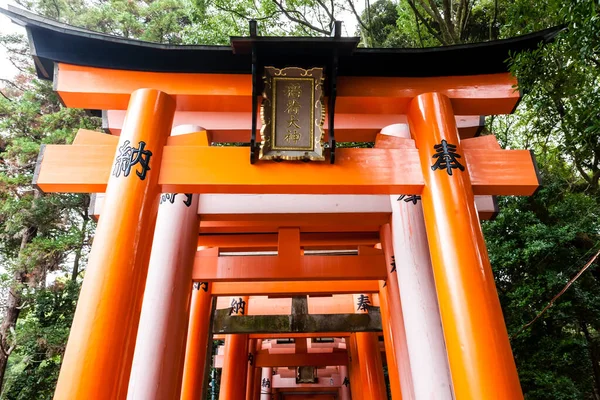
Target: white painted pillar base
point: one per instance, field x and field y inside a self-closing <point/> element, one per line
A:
<point x="424" y="335"/>
<point x="157" y="367"/>
<point x="266" y="383"/>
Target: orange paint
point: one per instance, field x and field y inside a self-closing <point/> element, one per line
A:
<point x="354" y="360"/>
<point x="235" y="364"/>
<point x="201" y="169"/>
<point x="251" y="370"/>
<point x="210" y="267"/>
<point x="479" y="353"/>
<point x="97" y="360"/>
<point x="264" y="359"/>
<point x="197" y="344"/>
<point x="371" y="366"/>
<point x="290" y="288"/>
<point x="235" y="127"/>
<point x="109" y="89"/>
<point x="269" y="240"/>
<point x="388" y="340"/>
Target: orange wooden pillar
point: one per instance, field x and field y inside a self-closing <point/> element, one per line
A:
<point x="157" y="367"/>
<point x="257" y="374"/>
<point x="395" y="334"/>
<point x="198" y="337"/>
<point x="251" y="370"/>
<point x="388" y="337"/>
<point x="344" y="391"/>
<point x="97" y="360"/>
<point x="235" y="361"/>
<point x="479" y="353"/>
<point x="371" y="366"/>
<point x="354" y="372"/>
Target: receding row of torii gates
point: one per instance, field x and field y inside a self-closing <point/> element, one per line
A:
<point x="316" y="263"/>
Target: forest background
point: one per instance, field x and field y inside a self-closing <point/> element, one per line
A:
<point x="537" y="244"/>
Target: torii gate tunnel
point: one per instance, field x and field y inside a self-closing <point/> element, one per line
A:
<point x="296" y="251"/>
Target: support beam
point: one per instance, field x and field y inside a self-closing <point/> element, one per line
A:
<point x="107" y="315"/>
<point x="200" y="169"/>
<point x="291" y="288"/>
<point x="235" y="127"/>
<point x="322" y="323"/>
<point x="109" y="89"/>
<point x="264" y="359"/>
<point x="211" y="267"/>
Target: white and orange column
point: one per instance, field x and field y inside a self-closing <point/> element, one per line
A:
<point x="97" y="360"/>
<point x="371" y="365"/>
<point x="157" y="368"/>
<point x="414" y="279"/>
<point x="479" y="352"/>
<point x="235" y="361"/>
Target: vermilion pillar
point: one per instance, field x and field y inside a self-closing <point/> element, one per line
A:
<point x="198" y="336"/>
<point x="388" y="335"/>
<point x="396" y="330"/>
<point x="97" y="360"/>
<point x="371" y="366"/>
<point x="266" y="382"/>
<point x="251" y="370"/>
<point x="344" y="392"/>
<point x="160" y="348"/>
<point x="354" y="361"/>
<point x="235" y="361"/>
<point x="479" y="353"/>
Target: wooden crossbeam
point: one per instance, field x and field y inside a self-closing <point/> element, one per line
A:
<point x="200" y="169"/>
<point x="264" y="359"/>
<point x="291" y="288"/>
<point x="318" y="323"/>
<point x="108" y="89"/>
<point x="235" y="127"/>
<point x="208" y="266"/>
<point x="240" y="242"/>
<point x="243" y="213"/>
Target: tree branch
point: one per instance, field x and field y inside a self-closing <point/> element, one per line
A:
<point x="303" y="22"/>
<point x="418" y="15"/>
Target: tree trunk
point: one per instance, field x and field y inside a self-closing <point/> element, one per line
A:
<point x="595" y="358"/>
<point x="13" y="308"/>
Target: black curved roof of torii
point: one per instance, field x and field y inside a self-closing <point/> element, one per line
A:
<point x="52" y="42"/>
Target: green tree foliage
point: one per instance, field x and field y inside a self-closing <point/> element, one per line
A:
<point x="536" y="244"/>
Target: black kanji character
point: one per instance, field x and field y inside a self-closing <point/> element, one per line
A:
<point x="238" y="306"/>
<point x="266" y="383"/>
<point x="393" y="264"/>
<point x="188" y="199"/>
<point x="363" y="303"/>
<point x="130" y="156"/>
<point x="446" y="157"/>
<point x="346" y="381"/>
<point x="408" y="199"/>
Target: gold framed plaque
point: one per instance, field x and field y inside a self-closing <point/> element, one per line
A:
<point x="292" y="114"/>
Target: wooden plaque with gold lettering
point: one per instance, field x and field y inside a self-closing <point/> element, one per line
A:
<point x="292" y="114"/>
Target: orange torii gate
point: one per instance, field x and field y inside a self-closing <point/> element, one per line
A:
<point x="168" y="215"/>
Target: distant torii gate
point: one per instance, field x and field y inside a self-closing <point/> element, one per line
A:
<point x="377" y="241"/>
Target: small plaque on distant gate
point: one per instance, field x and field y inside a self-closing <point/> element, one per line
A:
<point x="292" y="114"/>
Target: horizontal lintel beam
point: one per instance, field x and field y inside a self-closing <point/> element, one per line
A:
<point x="210" y="267"/>
<point x="200" y="169"/>
<point x="264" y="359"/>
<point x="287" y="288"/>
<point x="236" y="127"/>
<point x="108" y="89"/>
<point x="316" y="323"/>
